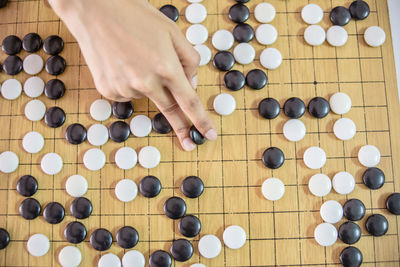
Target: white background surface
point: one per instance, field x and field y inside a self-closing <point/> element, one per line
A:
<point x="394" y="13"/>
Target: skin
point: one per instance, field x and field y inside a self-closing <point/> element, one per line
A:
<point x="133" y="50"/>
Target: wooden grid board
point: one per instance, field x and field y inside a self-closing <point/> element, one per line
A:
<point x="279" y="233"/>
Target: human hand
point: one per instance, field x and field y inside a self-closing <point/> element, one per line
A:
<point x="133" y="50"/>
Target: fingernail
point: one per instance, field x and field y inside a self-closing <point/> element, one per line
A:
<point x="195" y="81"/>
<point x="211" y="134"/>
<point x="188" y="144"/>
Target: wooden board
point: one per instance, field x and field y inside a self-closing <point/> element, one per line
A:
<point x="279" y="233"/>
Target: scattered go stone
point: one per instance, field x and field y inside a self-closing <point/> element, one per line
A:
<point x="340" y="103"/>
<point x="175" y="207"/>
<point x="344" y="129"/>
<point x="75" y="232"/>
<point x="318" y="107"/>
<point x="149" y="157"/>
<point x="35" y="110"/>
<point x="369" y="156"/>
<point x="354" y="209"/>
<point x="195" y="13"/>
<point x="122" y="110"/>
<point x="127" y="237"/>
<point x="32" y="42"/>
<point x="140" y="126"/>
<point x="234" y="80"/>
<point x="343" y="183"/>
<point x="54" y="117"/>
<point x="243" y="33"/>
<point x="108" y="260"/>
<point x="38" y="245"/>
<point x="349" y="233"/>
<point x="170" y="11"/>
<point x="192" y="187"/>
<point x="314" y="157"/>
<point x="70" y="256"/>
<point x="97" y="134"/>
<point x="197" y="34"/>
<point x="325" y="234"/>
<point x="12" y="65"/>
<point x="294" y="130"/>
<point x="29" y="208"/>
<point x="264" y="12"/>
<point x="94" y="159"/>
<point x="337" y="36"/>
<point x="150" y="186"/>
<point x="273" y="158"/>
<point x="312" y="14"/>
<point x="224" y="104"/>
<point x="11" y="89"/>
<point x="393" y="203"/>
<point x="8" y="162"/>
<point x="126" y="158"/>
<point x="374" y="178"/>
<point x="27" y="186"/>
<point x="3" y="3"/>
<point x="181" y="250"/>
<point x="53" y="213"/>
<point x="133" y="258"/>
<point x="55" y="65"/>
<point x="314" y="35"/>
<point x="51" y="163"/>
<point x="160" y="124"/>
<point x="223" y="60"/>
<point x="196" y="136"/>
<point x="34" y="86"/>
<point x="209" y="246"/>
<point x="256" y="79"/>
<point x="11" y="45"/>
<point x="189" y="226"/>
<point x="294" y="108"/>
<point x="222" y="40"/>
<point x="320" y="185"/>
<point x="126" y="190"/>
<point x="119" y="131"/>
<point x="76" y="185"/>
<point x="101" y="239"/>
<point x="340" y="16"/>
<point x="244" y="53"/>
<point x="54" y="89"/>
<point x="75" y="134"/>
<point x="271" y="58"/>
<point x="239" y="13"/>
<point x="377" y="225"/>
<point x="204" y="52"/>
<point x="234" y="237"/>
<point x="32" y="64"/>
<point x="359" y="10"/>
<point x="4" y="238"/>
<point x="331" y="211"/>
<point x="81" y="208"/>
<point x="160" y="258"/>
<point x="273" y="189"/>
<point x="374" y="36"/>
<point x="100" y="110"/>
<point x="351" y="257"/>
<point x="269" y="108"/>
<point x="266" y="34"/>
<point x="53" y="45"/>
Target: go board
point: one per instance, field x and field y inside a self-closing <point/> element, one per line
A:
<point x="279" y="233"/>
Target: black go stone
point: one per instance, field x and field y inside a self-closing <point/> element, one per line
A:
<point x="318" y="107"/>
<point x="160" y="258"/>
<point x="175" y="207"/>
<point x="239" y="13"/>
<point x="127" y="237"/>
<point x="377" y="225"/>
<point x="340" y="16"/>
<point x="351" y="257"/>
<point x="161" y="124"/>
<point x="243" y="33"/>
<point x="196" y="136"/>
<point x="242" y="1"/>
<point x="4" y="238"/>
<point x="256" y="79"/>
<point x="53" y="45"/>
<point x="294" y="107"/>
<point x="192" y="186"/>
<point x="374" y="178"/>
<point x="27" y="185"/>
<point x="349" y="233"/>
<point x="55" y="65"/>
<point x="101" y="239"/>
<point x="54" y="117"/>
<point x="234" y="80"/>
<point x="81" y="208"/>
<point x="3" y="3"/>
<point x="354" y="209"/>
<point x="54" y="89"/>
<point x="32" y="42"/>
<point x="170" y="11"/>
<point x="269" y="108"/>
<point x="119" y="131"/>
<point x="11" y="45"/>
<point x="12" y="65"/>
<point x="189" y="226"/>
<point x="53" y="212"/>
<point x="273" y="158"/>
<point x="150" y="186"/>
<point x="75" y="232"/>
<point x="181" y="250"/>
<point x="223" y="60"/>
<point x="393" y="203"/>
<point x="122" y="110"/>
<point x="359" y="10"/>
<point x="29" y="208"/>
<point x="75" y="134"/>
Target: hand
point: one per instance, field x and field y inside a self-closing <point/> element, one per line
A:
<point x="133" y="50"/>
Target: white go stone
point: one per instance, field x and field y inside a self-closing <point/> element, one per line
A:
<point x="94" y="159"/>
<point x="244" y="53"/>
<point x="209" y="246"/>
<point x="126" y="158"/>
<point x="325" y="234"/>
<point x="224" y="104"/>
<point x="314" y="157"/>
<point x="340" y="103"/>
<point x="234" y="237"/>
<point x="264" y="12"/>
<point x="35" y="110"/>
<point x="33" y="64"/>
<point x="97" y="134"/>
<point x="204" y="52"/>
<point x="320" y="185"/>
<point x="197" y="34"/>
<point x="195" y="1"/>
<point x="38" y="245"/>
<point x="198" y="265"/>
<point x="109" y="260"/>
<point x="336" y="36"/>
<point x="314" y="35"/>
<point x="343" y="183"/>
<point x="149" y="157"/>
<point x="369" y="156"/>
<point x="11" y="89"/>
<point x="126" y="190"/>
<point x="331" y="211"/>
<point x="344" y="129"/>
<point x="133" y="258"/>
<point x="273" y="189"/>
<point x="51" y="163"/>
<point x="100" y="110"/>
<point x="294" y="130"/>
<point x="312" y="14"/>
<point x="70" y="256"/>
<point x="8" y="162"/>
<point x="33" y="142"/>
<point x="140" y="126"/>
<point x="195" y="13"/>
<point x="76" y="185"/>
<point x="374" y="36"/>
<point x="266" y="34"/>
<point x="34" y="86"/>
<point x="271" y="58"/>
<point x="222" y="40"/>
